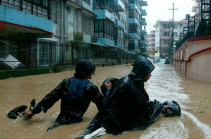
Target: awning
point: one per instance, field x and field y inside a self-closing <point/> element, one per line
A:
<point x="15" y="29"/>
<point x="97" y="44"/>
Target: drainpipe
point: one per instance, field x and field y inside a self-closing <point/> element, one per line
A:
<point x="64" y="32"/>
<point x="60" y="34"/>
<point x="185" y="69"/>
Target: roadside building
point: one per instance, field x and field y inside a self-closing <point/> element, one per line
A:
<point x="163" y="31"/>
<point x="137" y="21"/>
<point x="22" y="23"/>
<point x="151" y="44"/>
<point x="53" y="32"/>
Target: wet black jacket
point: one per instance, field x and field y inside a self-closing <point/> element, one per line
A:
<point x="128" y="107"/>
<point x="75" y="99"/>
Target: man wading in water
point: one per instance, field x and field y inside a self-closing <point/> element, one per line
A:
<point x="75" y="93"/>
<point x="127" y="105"/>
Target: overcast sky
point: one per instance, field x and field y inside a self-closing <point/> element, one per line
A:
<point x="159" y="10"/>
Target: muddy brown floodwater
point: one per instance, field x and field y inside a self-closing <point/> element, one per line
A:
<point x="165" y="84"/>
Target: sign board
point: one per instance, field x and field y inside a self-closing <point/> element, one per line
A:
<point x="152" y="51"/>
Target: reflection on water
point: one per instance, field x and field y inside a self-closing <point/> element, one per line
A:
<point x="165" y="84"/>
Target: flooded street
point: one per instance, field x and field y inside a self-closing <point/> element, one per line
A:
<point x="165" y="84"/>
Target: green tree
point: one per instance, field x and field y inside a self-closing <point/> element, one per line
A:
<point x="202" y="29"/>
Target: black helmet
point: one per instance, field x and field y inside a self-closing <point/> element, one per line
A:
<point x="174" y="111"/>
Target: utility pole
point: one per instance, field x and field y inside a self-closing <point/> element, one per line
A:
<point x="172" y="35"/>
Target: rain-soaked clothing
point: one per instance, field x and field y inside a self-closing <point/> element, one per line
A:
<point x="127" y="106"/>
<point x="76" y="95"/>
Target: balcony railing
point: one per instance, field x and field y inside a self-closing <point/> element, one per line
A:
<point x="29" y="7"/>
<point x="165" y="37"/>
<point x="144" y="3"/>
<point x="105" y="6"/>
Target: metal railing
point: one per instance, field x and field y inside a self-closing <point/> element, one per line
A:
<point x="29" y="7"/>
<point x="198" y="25"/>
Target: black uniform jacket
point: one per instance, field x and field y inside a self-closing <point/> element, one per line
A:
<point x="128" y="107"/>
<point x="75" y="95"/>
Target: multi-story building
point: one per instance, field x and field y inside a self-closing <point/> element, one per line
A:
<point x="151" y="43"/>
<point x="136" y="22"/>
<point x="50" y="32"/>
<point x="22" y="22"/>
<point x="143" y="26"/>
<point x="163" y="31"/>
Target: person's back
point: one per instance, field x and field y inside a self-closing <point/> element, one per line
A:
<point x="75" y="93"/>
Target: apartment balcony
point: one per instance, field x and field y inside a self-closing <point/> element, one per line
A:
<point x="164" y="45"/>
<point x="119" y="6"/>
<point x="164" y="37"/>
<point x="144" y="3"/>
<point x="104" y="11"/>
<point x="133" y="6"/>
<point x="134" y="21"/>
<point x="120" y="45"/>
<point x="118" y="23"/>
<point x="143" y="21"/>
<point x="165" y="29"/>
<point x="151" y="43"/>
<point x="105" y="41"/>
<point x="143" y="12"/>
<point x="143" y="42"/>
<point x="143" y="32"/>
<point x="14" y="22"/>
<point x="135" y="35"/>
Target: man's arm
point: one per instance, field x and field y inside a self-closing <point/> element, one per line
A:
<point x="49" y="100"/>
<point x="95" y="95"/>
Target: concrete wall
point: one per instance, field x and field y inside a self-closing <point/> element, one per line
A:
<point x="192" y="59"/>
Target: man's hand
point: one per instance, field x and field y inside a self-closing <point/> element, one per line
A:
<point x="108" y="86"/>
<point x="28" y="115"/>
<point x="166" y="107"/>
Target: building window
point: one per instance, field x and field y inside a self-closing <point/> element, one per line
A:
<point x="131" y="13"/>
<point x="142" y="37"/>
<point x="131" y="41"/>
<point x="120" y="35"/>
<point x="104" y="29"/>
<point x="132" y="28"/>
<point x="166" y="25"/>
<point x="166" y="34"/>
<point x="175" y="34"/>
<point x="43" y="3"/>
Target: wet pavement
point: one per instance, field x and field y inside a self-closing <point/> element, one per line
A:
<point x="165" y="84"/>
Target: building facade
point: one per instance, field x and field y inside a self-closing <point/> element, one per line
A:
<point x="151" y="44"/>
<point x="163" y="31"/>
<point x="137" y="25"/>
<point x="21" y="24"/>
<point x="53" y="32"/>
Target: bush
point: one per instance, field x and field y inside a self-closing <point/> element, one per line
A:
<point x="202" y="29"/>
<point x="23" y="72"/>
